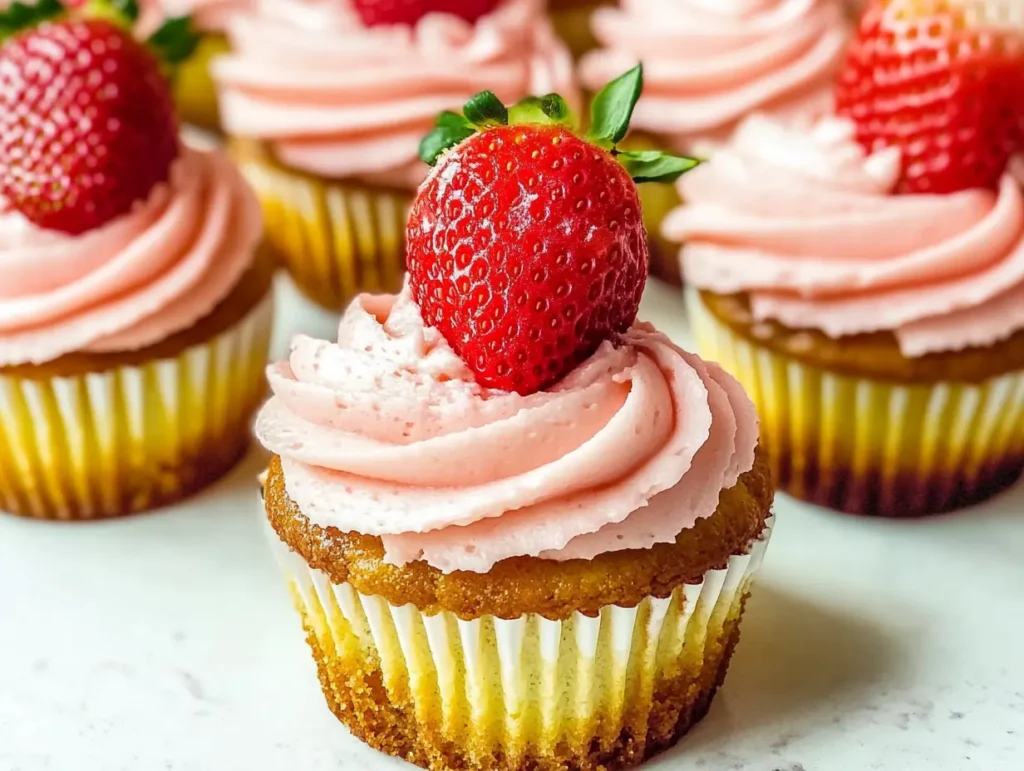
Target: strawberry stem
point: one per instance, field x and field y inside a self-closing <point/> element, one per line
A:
<point x="611" y="112"/>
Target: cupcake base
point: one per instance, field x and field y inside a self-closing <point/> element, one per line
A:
<point x="582" y="694"/>
<point x="92" y="436"/>
<point x="864" y="444"/>
<point x="336" y="238"/>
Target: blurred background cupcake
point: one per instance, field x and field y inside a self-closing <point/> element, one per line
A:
<point x="326" y="103"/>
<point x="572" y="22"/>
<point x="865" y="278"/>
<point x="135" y="312"/>
<point x="520" y="536"/>
<point x="706" y="66"/>
<point x="194" y="91"/>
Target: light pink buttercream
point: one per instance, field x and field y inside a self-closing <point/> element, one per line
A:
<point x="340" y="100"/>
<point x="708" y="63"/>
<point x="387" y="433"/>
<point x="807" y="223"/>
<point x="135" y="281"/>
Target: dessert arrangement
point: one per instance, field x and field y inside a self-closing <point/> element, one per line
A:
<point x="135" y="304"/>
<point x="864" y="277"/>
<point x="519" y="525"/>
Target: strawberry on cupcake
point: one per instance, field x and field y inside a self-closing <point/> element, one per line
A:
<point x="134" y="313"/>
<point x="325" y="104"/>
<point x="498" y="493"/>
<point x="865" y="278"/>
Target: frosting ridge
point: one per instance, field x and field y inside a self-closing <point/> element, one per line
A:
<point x="807" y="223"/>
<point x="386" y="433"/>
<point x="338" y="99"/>
<point x="135" y="281"/>
<point x="707" y="63"/>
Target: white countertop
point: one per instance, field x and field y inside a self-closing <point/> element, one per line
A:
<point x="168" y="642"/>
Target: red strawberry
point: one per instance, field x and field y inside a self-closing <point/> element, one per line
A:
<point x="375" y="13"/>
<point x="87" y="123"/>
<point x="939" y="80"/>
<point x="526" y="245"/>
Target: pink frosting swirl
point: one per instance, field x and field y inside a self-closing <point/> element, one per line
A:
<point x="806" y="222"/>
<point x="341" y="100"/>
<point x="387" y="433"/>
<point x="138" y="279"/>
<point x="708" y="63"/>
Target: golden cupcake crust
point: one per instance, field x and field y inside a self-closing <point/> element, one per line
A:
<point x="522" y="585"/>
<point x="247" y="294"/>
<point x="874" y="355"/>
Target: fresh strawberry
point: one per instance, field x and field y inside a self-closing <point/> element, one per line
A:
<point x="87" y="123"/>
<point x="526" y="245"/>
<point x="375" y="13"/>
<point x="942" y="80"/>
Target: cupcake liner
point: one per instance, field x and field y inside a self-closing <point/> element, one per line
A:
<point x="336" y="238"/>
<point x="870" y="446"/>
<point x="194" y="91"/>
<point x="487" y="693"/>
<point x="131" y="438"/>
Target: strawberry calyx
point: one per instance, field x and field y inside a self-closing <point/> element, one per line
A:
<point x="610" y="115"/>
<point x="172" y="42"/>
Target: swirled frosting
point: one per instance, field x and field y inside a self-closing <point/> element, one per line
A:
<point x="135" y="281"/>
<point x="708" y="63"/>
<point x="807" y="223"/>
<point x="337" y="99"/>
<point x="386" y="433"/>
<point x="207" y="15"/>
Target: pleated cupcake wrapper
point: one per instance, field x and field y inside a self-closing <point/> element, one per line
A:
<point x="194" y="91"/>
<point x="336" y="238"/>
<point x="135" y="437"/>
<point x="529" y="686"/>
<point x="869" y="446"/>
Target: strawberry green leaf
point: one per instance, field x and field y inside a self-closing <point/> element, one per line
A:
<point x="123" y="13"/>
<point x="20" y="16"/>
<point x="485" y="109"/>
<point x="129" y="9"/>
<point x="451" y="129"/>
<point x="654" y="165"/>
<point x="174" y="41"/>
<point x="613" y="106"/>
<point x="550" y="109"/>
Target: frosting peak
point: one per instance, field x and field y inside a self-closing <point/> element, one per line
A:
<point x="337" y="99"/>
<point x="386" y="433"/>
<point x="135" y="281"/>
<point x="807" y="223"/>
<point x="709" y="62"/>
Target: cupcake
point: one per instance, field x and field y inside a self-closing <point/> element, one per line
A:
<point x="134" y="310"/>
<point x="708" y="66"/>
<point x="326" y="104"/>
<point x="864" y="279"/>
<point x="572" y="22"/>
<point x="520" y="526"/>
<point x="194" y="91"/>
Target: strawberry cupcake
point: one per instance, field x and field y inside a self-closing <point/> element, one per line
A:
<point x="194" y="91"/>
<point x="520" y="526"/>
<point x="864" y="278"/>
<point x="326" y="103"/>
<point x="134" y="311"/>
<point x="708" y="65"/>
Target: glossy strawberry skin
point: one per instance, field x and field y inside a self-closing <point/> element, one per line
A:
<point x="526" y="249"/>
<point x="87" y="124"/>
<point x="376" y="13"/>
<point x="919" y="76"/>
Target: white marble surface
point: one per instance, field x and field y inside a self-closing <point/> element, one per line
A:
<point x="168" y="642"/>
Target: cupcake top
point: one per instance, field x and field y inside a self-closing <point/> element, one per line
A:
<point x="808" y="223"/>
<point x="709" y="64"/>
<point x="113" y="235"/>
<point x="336" y="98"/>
<point x="134" y="281"/>
<point x="387" y="433"/>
